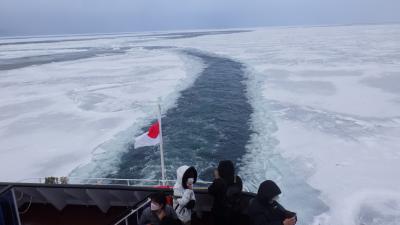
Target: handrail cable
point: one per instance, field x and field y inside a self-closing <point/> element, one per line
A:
<point x="8" y="187"/>
<point x="133" y="211"/>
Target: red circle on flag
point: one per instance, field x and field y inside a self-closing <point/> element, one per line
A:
<point x="154" y="130"/>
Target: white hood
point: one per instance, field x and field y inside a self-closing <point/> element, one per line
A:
<point x="183" y="195"/>
<point x="179" y="176"/>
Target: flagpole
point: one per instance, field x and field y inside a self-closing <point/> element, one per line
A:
<point x="161" y="145"/>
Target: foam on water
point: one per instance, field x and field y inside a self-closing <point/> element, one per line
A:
<point x="367" y="207"/>
<point x="263" y="160"/>
<point x="209" y="123"/>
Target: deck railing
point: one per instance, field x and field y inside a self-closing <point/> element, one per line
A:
<point x="8" y="207"/>
<point x="110" y="181"/>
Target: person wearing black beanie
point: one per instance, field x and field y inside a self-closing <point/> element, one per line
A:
<point x="264" y="209"/>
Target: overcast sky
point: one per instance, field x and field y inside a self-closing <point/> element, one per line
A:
<point x="29" y="17"/>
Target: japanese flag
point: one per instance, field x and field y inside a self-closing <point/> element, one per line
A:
<point x="150" y="138"/>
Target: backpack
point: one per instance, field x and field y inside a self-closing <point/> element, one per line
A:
<point x="233" y="196"/>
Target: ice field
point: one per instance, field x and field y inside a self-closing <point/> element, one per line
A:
<point x="317" y="109"/>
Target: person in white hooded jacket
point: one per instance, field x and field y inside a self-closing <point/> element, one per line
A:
<point x="184" y="199"/>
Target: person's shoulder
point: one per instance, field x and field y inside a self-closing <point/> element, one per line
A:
<point x="217" y="186"/>
<point x="169" y="209"/>
<point x="219" y="181"/>
<point x="255" y="207"/>
<point x="146" y="211"/>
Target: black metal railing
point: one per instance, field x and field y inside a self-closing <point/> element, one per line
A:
<point x="8" y="209"/>
<point x="135" y="210"/>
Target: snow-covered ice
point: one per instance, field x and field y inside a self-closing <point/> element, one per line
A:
<point x="326" y="115"/>
<point x="55" y="116"/>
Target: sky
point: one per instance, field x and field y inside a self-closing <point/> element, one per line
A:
<point x="35" y="17"/>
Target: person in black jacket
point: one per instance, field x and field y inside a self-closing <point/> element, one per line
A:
<point x="226" y="190"/>
<point x="157" y="211"/>
<point x="265" y="210"/>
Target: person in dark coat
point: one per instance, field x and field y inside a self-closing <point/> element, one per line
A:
<point x="226" y="190"/>
<point x="265" y="210"/>
<point x="158" y="211"/>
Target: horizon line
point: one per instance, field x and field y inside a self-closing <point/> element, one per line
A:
<point x="11" y="36"/>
